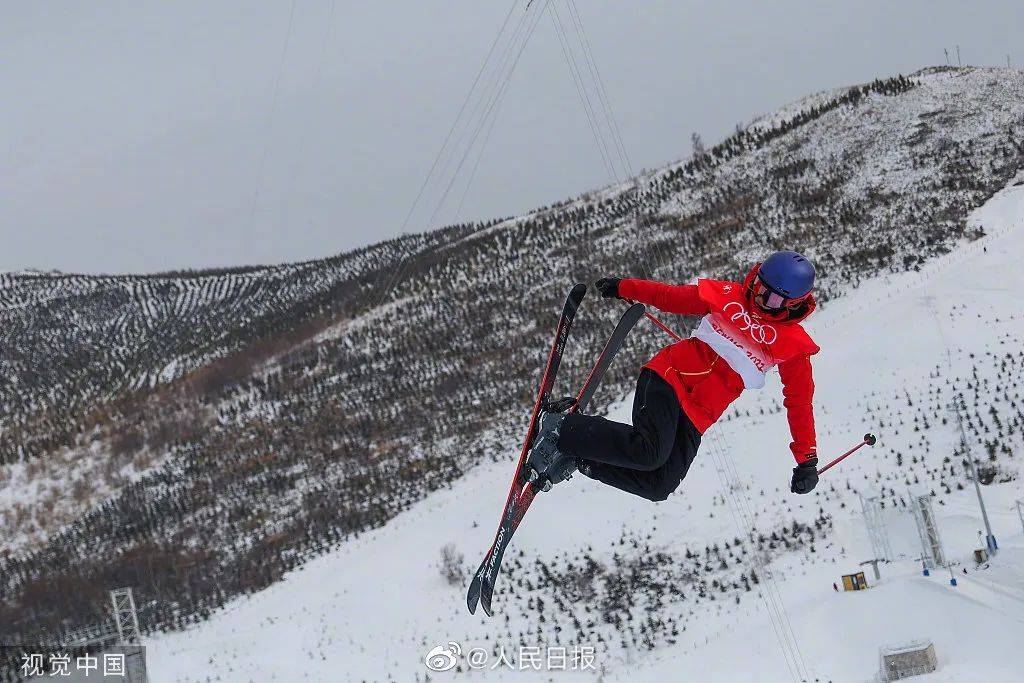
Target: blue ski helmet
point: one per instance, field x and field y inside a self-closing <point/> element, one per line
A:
<point x="785" y="279"/>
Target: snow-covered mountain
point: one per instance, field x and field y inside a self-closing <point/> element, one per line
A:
<point x="668" y="591"/>
<point x="201" y="435"/>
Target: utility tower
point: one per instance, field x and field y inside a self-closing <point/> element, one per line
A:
<point x="928" y="530"/>
<point x="126" y="618"/>
<point x="875" y="522"/>
<point x="990" y="539"/>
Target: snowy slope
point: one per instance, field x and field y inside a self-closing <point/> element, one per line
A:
<point x="373" y="608"/>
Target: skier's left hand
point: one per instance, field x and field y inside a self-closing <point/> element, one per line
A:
<point x="609" y="287"/>
<point x="805" y="476"/>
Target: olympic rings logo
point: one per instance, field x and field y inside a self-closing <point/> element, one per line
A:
<point x="762" y="334"/>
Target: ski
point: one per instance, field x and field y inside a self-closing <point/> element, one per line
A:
<point x="482" y="588"/>
<point x="611" y="347"/>
<point x="547" y="379"/>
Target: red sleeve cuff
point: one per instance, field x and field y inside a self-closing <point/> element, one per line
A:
<point x="803" y="453"/>
<point x="628" y="289"/>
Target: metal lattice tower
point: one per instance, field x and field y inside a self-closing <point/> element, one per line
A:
<point x="125" y="616"/>
<point x="875" y="523"/>
<point x="928" y="530"/>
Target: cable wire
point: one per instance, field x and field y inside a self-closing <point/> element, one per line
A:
<point x="740" y="502"/>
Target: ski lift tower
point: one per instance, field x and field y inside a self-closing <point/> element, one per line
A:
<point x="1020" y="511"/>
<point x="877" y="533"/>
<point x="874" y="565"/>
<point x="990" y="539"/>
<point x="931" y="544"/>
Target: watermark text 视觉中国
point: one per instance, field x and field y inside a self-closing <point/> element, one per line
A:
<point x="122" y="663"/>
<point x="61" y="664"/>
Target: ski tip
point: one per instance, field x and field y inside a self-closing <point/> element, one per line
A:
<point x="634" y="313"/>
<point x="473" y="594"/>
<point x="485" y="598"/>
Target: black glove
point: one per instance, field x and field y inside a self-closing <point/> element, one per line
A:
<point x="805" y="476"/>
<point x="609" y="287"/>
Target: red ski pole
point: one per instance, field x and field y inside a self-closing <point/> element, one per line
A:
<point x="654" y="319"/>
<point x="869" y="440"/>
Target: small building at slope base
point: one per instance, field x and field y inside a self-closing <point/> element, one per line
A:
<point x="904" y="661"/>
<point x="854" y="582"/>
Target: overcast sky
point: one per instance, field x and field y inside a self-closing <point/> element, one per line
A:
<point x="146" y="136"/>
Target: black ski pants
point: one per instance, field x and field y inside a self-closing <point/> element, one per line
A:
<point x="647" y="459"/>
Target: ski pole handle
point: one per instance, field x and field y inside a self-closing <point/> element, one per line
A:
<point x="869" y="440"/>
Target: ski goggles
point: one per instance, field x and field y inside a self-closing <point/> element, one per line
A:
<point x="770" y="300"/>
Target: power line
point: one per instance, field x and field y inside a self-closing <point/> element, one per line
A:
<point x="458" y="117"/>
<point x="588" y="108"/>
<point x="771" y="595"/>
<point x="743" y="522"/>
<point x="304" y="134"/>
<point x="271" y="116"/>
<point x="491" y="109"/>
<point x="502" y="62"/>
<point x="398" y="270"/>
<point x="601" y="92"/>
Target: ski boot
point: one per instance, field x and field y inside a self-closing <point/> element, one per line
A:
<point x="545" y="464"/>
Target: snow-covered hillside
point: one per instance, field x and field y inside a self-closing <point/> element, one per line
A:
<point x="668" y="591"/>
<point x="201" y="435"/>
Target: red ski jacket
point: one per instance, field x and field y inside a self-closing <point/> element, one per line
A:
<point x="731" y="350"/>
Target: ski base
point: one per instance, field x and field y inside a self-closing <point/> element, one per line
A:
<point x="481" y="589"/>
<point x="516" y="491"/>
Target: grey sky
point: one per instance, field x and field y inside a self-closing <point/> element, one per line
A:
<point x="145" y="136"/>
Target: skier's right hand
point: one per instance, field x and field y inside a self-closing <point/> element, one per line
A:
<point x="805" y="477"/>
<point x="609" y="287"/>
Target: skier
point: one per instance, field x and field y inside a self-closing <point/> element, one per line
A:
<point x="745" y="330"/>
